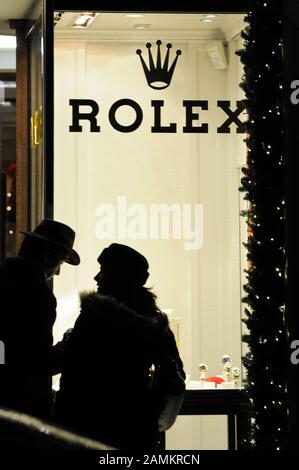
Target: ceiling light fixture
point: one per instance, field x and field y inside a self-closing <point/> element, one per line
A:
<point x="84" y="20"/>
<point x="210" y="16"/>
<point x="134" y="15"/>
<point x="207" y="20"/>
<point x="141" y="26"/>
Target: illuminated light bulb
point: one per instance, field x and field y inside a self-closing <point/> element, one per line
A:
<point x="8" y="208"/>
<point x="134" y="15"/>
<point x="8" y="194"/>
<point x="141" y="26"/>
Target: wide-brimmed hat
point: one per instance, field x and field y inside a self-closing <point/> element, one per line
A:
<point x="126" y="264"/>
<point x="58" y="234"/>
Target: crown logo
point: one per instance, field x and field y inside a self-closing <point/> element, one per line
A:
<point x="158" y="76"/>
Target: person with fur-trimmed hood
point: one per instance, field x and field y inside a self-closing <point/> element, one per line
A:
<point x="108" y="389"/>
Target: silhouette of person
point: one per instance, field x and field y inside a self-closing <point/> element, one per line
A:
<point x="107" y="390"/>
<point x="28" y="312"/>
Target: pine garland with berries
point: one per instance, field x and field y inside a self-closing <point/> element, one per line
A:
<point x="263" y="185"/>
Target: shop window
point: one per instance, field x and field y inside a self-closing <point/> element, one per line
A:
<point x="149" y="142"/>
<point x="8" y="164"/>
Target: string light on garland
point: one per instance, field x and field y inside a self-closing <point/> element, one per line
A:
<point x="262" y="185"/>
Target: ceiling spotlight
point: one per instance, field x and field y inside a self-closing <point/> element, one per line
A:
<point x="207" y="20"/>
<point x="210" y="16"/>
<point x="134" y="15"/>
<point x="84" y="20"/>
<point x="141" y="26"/>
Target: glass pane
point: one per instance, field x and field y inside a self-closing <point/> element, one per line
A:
<point x="8" y="163"/>
<point x="36" y="125"/>
<point x="148" y="146"/>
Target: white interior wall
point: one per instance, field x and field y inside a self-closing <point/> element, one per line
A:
<point x="7" y="59"/>
<point x="203" y="287"/>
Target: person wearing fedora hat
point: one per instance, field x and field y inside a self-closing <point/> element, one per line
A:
<point x="119" y="338"/>
<point x="57" y="240"/>
<point x="27" y="315"/>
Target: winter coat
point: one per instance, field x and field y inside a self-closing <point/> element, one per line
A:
<point x="105" y="388"/>
<point x="27" y="314"/>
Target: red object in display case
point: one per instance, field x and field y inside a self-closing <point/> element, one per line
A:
<point x="216" y="379"/>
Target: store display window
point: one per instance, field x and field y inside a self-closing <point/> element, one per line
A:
<point x="148" y="150"/>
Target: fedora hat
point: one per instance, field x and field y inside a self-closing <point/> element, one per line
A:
<point x="58" y="234"/>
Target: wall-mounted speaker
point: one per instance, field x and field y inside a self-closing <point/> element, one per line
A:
<point x="217" y="54"/>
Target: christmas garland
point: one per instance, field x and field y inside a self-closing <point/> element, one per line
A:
<point x="263" y="185"/>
